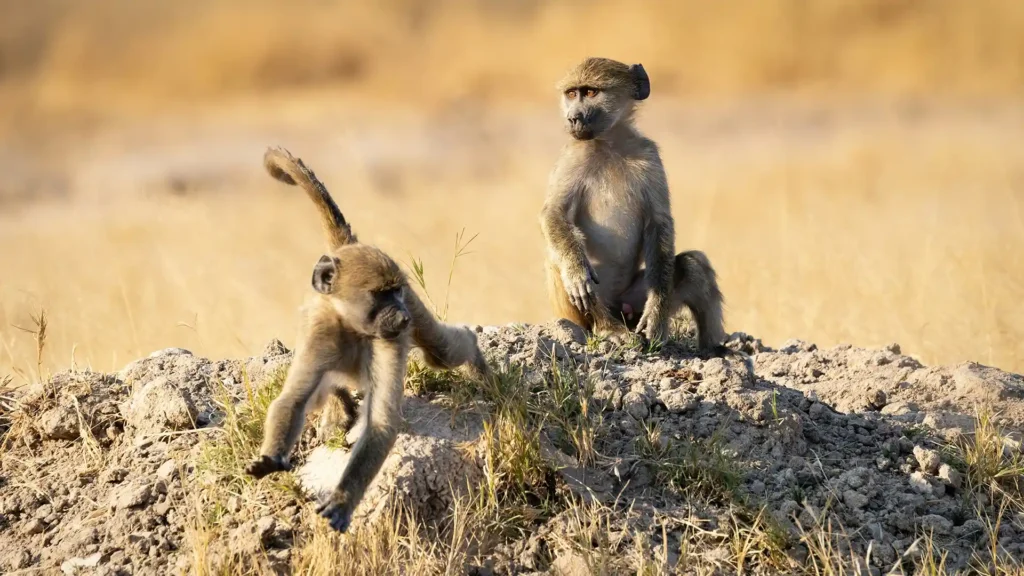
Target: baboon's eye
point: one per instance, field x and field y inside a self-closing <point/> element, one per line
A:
<point x="591" y="92"/>
<point x="570" y="94"/>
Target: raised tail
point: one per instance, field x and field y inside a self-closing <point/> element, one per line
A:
<point x="280" y="164"/>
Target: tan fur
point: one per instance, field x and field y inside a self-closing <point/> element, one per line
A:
<point x="356" y="334"/>
<point x="607" y="217"/>
<point x="444" y="346"/>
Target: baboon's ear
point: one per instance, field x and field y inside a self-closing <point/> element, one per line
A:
<point x="641" y="83"/>
<point x="324" y="272"/>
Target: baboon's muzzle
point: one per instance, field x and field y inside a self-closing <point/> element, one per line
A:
<point x="392" y="322"/>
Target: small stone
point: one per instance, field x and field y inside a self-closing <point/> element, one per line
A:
<point x="167" y="470"/>
<point x="76" y="565"/>
<point x="928" y="460"/>
<point x="936" y="524"/>
<point x="636" y="405"/>
<point x="854" y="499"/>
<point x="570" y="565"/>
<point x="920" y="484"/>
<point x="274" y="348"/>
<point x="757" y="487"/>
<point x="899" y="408"/>
<point x="22" y="559"/>
<point x="131" y="496"/>
<point x="875" y="398"/>
<point x="677" y="401"/>
<point x="880" y="359"/>
<point x="59" y="423"/>
<point x="162" y="508"/>
<point x="170" y="352"/>
<point x="566" y="332"/>
<point x="893" y="348"/>
<point x="34" y="526"/>
<point x="951" y="476"/>
<point x="162" y="405"/>
<point x="971" y="528"/>
<point x="43" y="511"/>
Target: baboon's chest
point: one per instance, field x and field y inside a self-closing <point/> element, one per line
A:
<point x="611" y="220"/>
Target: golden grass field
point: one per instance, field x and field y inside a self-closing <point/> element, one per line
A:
<point x="855" y="170"/>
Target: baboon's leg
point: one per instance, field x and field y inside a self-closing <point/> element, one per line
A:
<point x="695" y="285"/>
<point x="349" y="404"/>
<point x="331" y="419"/>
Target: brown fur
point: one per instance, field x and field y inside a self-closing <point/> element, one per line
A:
<point x="444" y="346"/>
<point x="356" y="333"/>
<point x="607" y="218"/>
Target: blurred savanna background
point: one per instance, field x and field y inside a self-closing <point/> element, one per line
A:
<point x="853" y="168"/>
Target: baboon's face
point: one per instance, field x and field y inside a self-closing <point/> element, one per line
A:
<point x="367" y="290"/>
<point x="387" y="314"/>
<point x="590" y="112"/>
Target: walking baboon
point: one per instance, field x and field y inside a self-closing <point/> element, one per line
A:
<point x="607" y="218"/>
<point x="356" y="333"/>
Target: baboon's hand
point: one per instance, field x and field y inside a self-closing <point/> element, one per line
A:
<point x="265" y="465"/>
<point x="579" y="284"/>
<point x="653" y="323"/>
<point x="337" y="511"/>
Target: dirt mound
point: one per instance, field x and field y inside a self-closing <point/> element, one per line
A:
<point x="850" y="456"/>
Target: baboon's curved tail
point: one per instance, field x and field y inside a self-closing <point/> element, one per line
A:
<point x="280" y="164"/>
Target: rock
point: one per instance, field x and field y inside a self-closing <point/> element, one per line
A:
<point x="636" y="405"/>
<point x="927" y="459"/>
<point x="920" y="484"/>
<point x="162" y="508"/>
<point x="404" y="478"/>
<point x="43" y="511"/>
<point x="59" y="423"/>
<point x="678" y="401"/>
<point x="167" y="471"/>
<point x="945" y="421"/>
<point x="570" y="565"/>
<point x="899" y="408"/>
<point x="33" y="526"/>
<point x="875" y="398"/>
<point x="170" y="352"/>
<point x="566" y="332"/>
<point x="131" y="496"/>
<point x="855" y="499"/>
<point x="113" y="475"/>
<point x="76" y="565"/>
<point x="950" y="476"/>
<point x="936" y="524"/>
<point x="984" y="384"/>
<point x="160" y="405"/>
<point x="274" y="348"/>
<point x="263" y="534"/>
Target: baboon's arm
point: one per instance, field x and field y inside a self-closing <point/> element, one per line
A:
<point x="659" y="257"/>
<point x="287" y="413"/>
<point x="565" y="240"/>
<point x="567" y="244"/>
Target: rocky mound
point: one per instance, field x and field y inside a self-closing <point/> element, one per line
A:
<point x="588" y="456"/>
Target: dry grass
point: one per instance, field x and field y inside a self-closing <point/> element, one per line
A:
<point x="858" y="225"/>
<point x="831" y="217"/>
